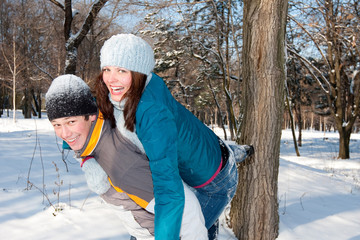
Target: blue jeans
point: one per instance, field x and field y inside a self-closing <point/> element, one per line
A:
<point x="216" y="195"/>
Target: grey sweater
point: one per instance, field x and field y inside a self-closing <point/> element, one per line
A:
<point x="127" y="167"/>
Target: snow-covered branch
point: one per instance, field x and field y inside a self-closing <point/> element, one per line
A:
<point x="57" y="3"/>
<point x="311" y="67"/>
<point x="312" y="38"/>
<point x="95" y="9"/>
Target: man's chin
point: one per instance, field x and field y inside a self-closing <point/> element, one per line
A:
<point x="73" y="147"/>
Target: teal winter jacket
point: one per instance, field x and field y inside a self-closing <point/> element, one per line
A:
<point x="178" y="146"/>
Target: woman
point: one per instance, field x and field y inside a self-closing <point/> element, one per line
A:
<point x="178" y="145"/>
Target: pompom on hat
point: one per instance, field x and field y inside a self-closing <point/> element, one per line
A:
<point x="69" y="96"/>
<point x="128" y="51"/>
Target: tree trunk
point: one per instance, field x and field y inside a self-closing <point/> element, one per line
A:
<point x="37" y="101"/>
<point x="27" y="109"/>
<point x="254" y="209"/>
<point x="73" y="41"/>
<point x="218" y="108"/>
<point x="292" y="126"/>
<point x="14" y="95"/>
<point x="312" y="121"/>
<point x="70" y="60"/>
<point x="300" y="123"/>
<point x="344" y="143"/>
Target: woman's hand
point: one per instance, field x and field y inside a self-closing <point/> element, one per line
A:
<point x="96" y="177"/>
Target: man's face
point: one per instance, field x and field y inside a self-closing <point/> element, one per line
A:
<point x="73" y="130"/>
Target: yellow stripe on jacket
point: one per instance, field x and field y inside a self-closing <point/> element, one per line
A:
<point x="95" y="136"/>
<point x="141" y="202"/>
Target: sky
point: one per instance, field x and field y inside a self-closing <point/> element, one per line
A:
<point x="318" y="194"/>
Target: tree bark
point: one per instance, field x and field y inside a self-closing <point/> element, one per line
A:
<point x="300" y="123"/>
<point x="254" y="209"/>
<point x="344" y="143"/>
<point x="73" y="41"/>
<point x="292" y="126"/>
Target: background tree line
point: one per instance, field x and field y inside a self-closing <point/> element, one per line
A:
<point x="205" y="52"/>
<point x="198" y="47"/>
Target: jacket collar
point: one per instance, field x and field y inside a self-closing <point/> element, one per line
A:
<point x="93" y="137"/>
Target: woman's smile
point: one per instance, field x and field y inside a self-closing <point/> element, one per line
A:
<point x="118" y="81"/>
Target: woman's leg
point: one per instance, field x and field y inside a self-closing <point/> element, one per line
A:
<point x="213" y="231"/>
<point x="216" y="195"/>
<point x="241" y="152"/>
<point x="193" y="222"/>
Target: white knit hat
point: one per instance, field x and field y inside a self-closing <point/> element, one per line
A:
<point x="128" y="51"/>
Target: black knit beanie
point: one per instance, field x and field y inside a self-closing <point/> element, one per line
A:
<point x="69" y="96"/>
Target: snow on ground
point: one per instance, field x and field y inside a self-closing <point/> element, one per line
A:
<point x="319" y="195"/>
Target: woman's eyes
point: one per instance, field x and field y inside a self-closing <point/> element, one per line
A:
<point x="120" y="70"/>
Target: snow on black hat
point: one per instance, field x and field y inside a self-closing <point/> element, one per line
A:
<point x="69" y="96"/>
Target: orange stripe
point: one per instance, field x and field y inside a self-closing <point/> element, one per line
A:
<point x="95" y="136"/>
<point x="141" y="202"/>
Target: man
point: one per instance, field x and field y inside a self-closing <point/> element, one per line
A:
<point x="120" y="174"/>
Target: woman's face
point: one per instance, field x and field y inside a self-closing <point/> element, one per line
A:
<point x="118" y="81"/>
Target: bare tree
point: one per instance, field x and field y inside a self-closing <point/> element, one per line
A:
<point x="15" y="62"/>
<point x="73" y="41"/>
<point x="332" y="28"/>
<point x="288" y="106"/>
<point x="254" y="209"/>
<point x="207" y="36"/>
<point x="40" y="44"/>
<point x="28" y="21"/>
<point x="223" y="30"/>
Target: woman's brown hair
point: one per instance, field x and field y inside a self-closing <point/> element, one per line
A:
<point x="132" y="96"/>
